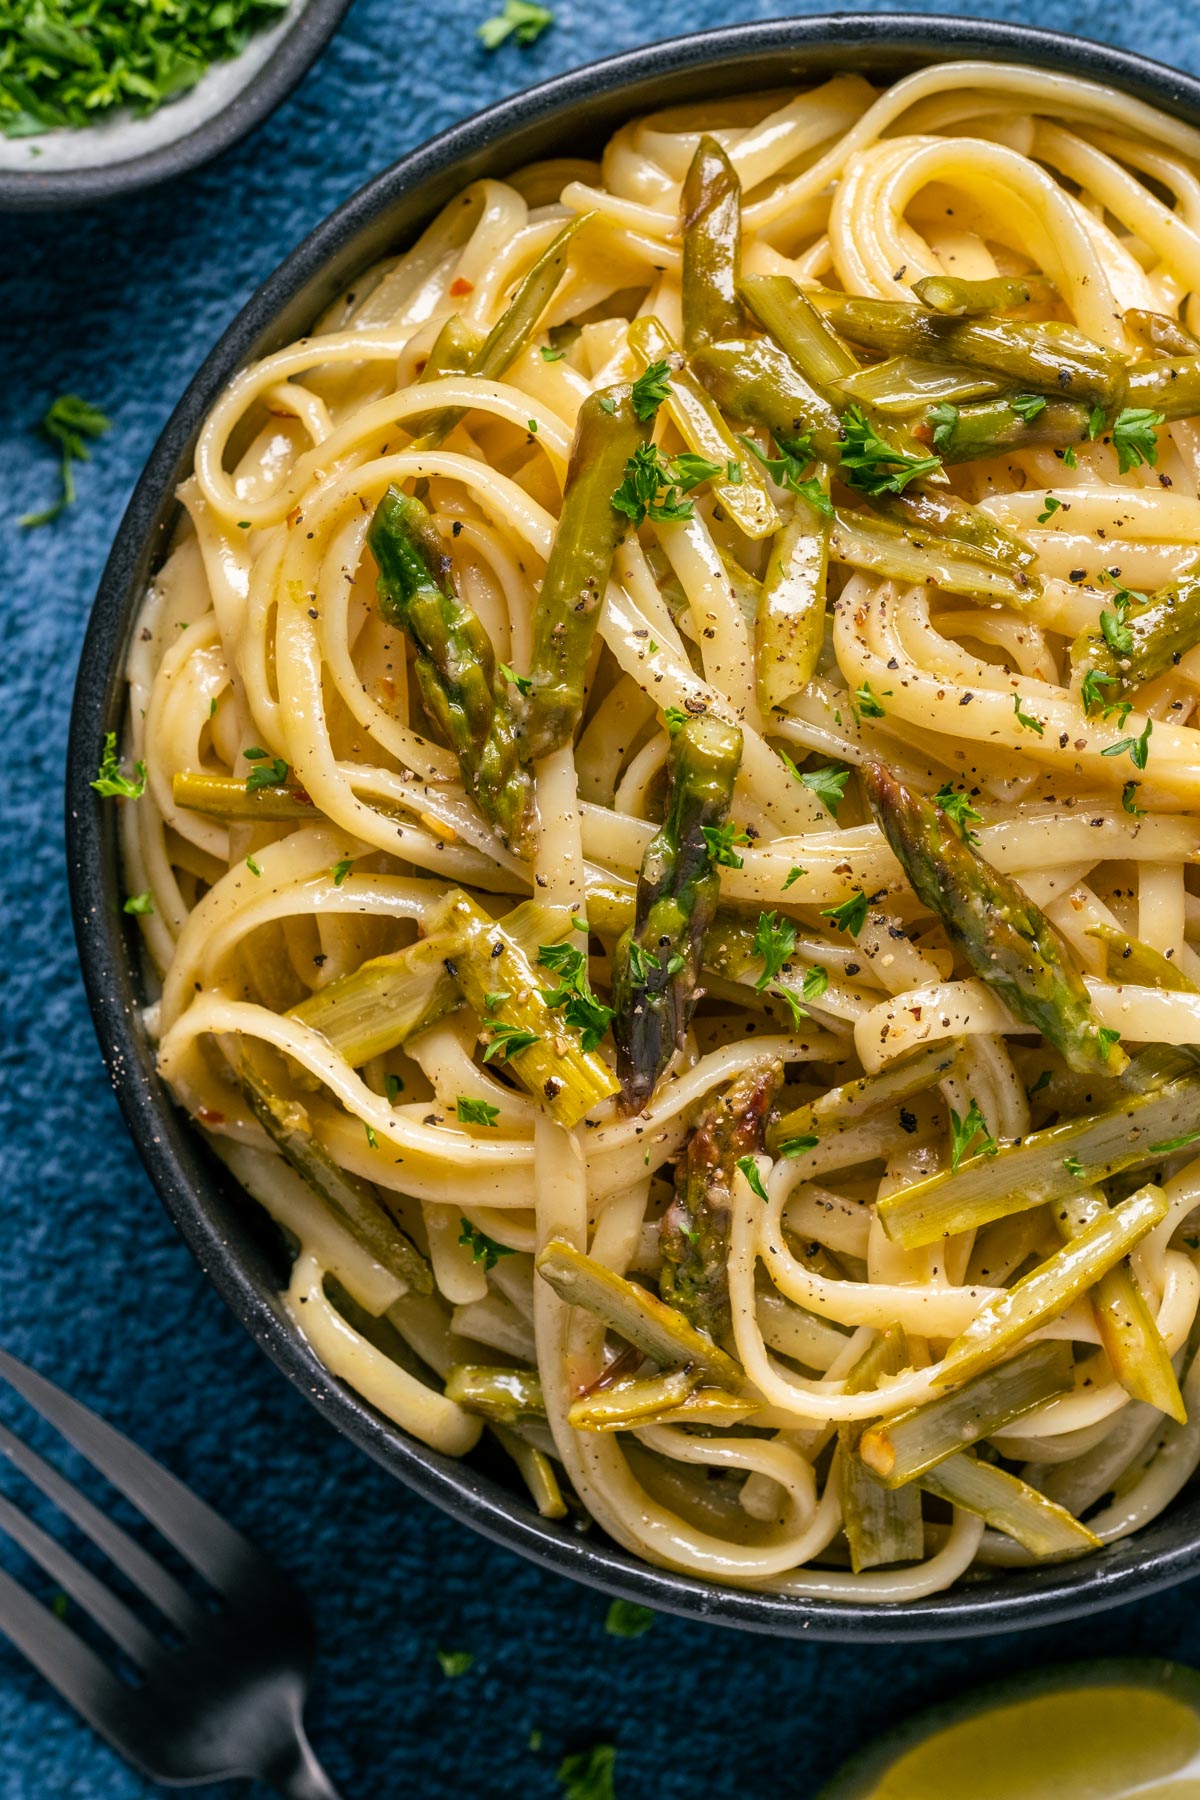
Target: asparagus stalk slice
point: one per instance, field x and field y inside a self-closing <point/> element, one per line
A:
<point x="227" y="797"/>
<point x="455" y="664"/>
<point x="568" y="606"/>
<point x="790" y="626"/>
<point x="628" y="1404"/>
<point x="1007" y="940"/>
<point x="1152" y="633"/>
<point x="389" y="999"/>
<point x="905" y="384"/>
<point x="1131" y="1338"/>
<point x="994" y="428"/>
<point x="511" y="334"/>
<point x="907" y="1445"/>
<point x="694" y="1233"/>
<point x="1048" y="1290"/>
<point x="841" y="1108"/>
<point x="955" y="298"/>
<point x="641" y="1318"/>
<point x="455" y="349"/>
<point x="912" y="555"/>
<point x="537" y="1471"/>
<point x="502" y="1394"/>
<point x="1047" y="357"/>
<point x="705" y="432"/>
<point x="354" y="1201"/>
<point x="1162" y="333"/>
<point x="753" y="379"/>
<point x="543" y="1051"/>
<point x="1043" y="1166"/>
<point x="1128" y="960"/>
<point x="711" y="223"/>
<point x="1170" y="386"/>
<point x="657" y="960"/>
<point x="882" y="1524"/>
<point x="1010" y="1505"/>
<point x="944" y="515"/>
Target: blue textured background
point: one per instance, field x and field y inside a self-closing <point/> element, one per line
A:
<point x="120" y="305"/>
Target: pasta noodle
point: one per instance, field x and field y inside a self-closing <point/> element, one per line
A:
<point x="444" y="975"/>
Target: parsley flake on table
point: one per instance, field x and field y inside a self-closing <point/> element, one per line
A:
<point x="67" y="423"/>
<point x="454" y="1662"/>
<point x="521" y="20"/>
<point x="588" y="1774"/>
<point x="626" y="1619"/>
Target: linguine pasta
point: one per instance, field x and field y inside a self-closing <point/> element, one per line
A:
<point x="715" y="1223"/>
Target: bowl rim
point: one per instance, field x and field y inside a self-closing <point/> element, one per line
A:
<point x="299" y="45"/>
<point x="171" y="1150"/>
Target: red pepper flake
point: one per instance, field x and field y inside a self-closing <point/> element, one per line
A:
<point x="207" y="1116"/>
<point x="459" y="286"/>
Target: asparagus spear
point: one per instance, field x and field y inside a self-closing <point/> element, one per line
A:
<point x="502" y="1394"/>
<point x="227" y="797"/>
<point x="1010" y="1505"/>
<point x="532" y="1038"/>
<point x="455" y="663"/>
<point x="1047" y="1291"/>
<point x="1130" y="1335"/>
<point x="882" y="1525"/>
<point x="941" y="514"/>
<point x="789" y="632"/>
<point x="1045" y="1165"/>
<point x="510" y="335"/>
<point x="657" y="960"/>
<point x="694" y="1232"/>
<point x="840" y="1108"/>
<point x="1047" y="357"/>
<point x="1170" y="386"/>
<point x="354" y="1201"/>
<point x="905" y="384"/>
<point x="914" y="555"/>
<point x="753" y="379"/>
<point x="1128" y="960"/>
<point x="909" y="1443"/>
<point x="955" y="298"/>
<point x="389" y="999"/>
<point x="1145" y="636"/>
<point x="711" y="223"/>
<point x="994" y="427"/>
<point x="1007" y="940"/>
<point x="589" y="530"/>
<point x="742" y="491"/>
<point x="676" y="1398"/>
<point x="1162" y="333"/>
<point x="643" y="1320"/>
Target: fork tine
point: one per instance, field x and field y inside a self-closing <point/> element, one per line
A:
<point x="220" y="1553"/>
<point x="67" y="1663"/>
<point x="111" y="1614"/>
<point x="158" y="1585"/>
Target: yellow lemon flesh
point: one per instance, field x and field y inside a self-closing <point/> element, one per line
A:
<point x="1097" y="1737"/>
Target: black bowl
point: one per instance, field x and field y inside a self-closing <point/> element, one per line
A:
<point x="182" y="134"/>
<point x="230" y="1238"/>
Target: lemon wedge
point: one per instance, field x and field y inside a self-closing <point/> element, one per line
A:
<point x="1095" y="1731"/>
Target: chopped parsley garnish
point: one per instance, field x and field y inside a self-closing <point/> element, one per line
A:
<point x="341" y="869"/>
<point x="550" y="354"/>
<point x="140" y="904"/>
<point x="793" y="874"/>
<point x="521" y="20"/>
<point x="454" y="1662"/>
<point x="869" y="462"/>
<point x="774" y="941"/>
<point x="253" y="866"/>
<point x="1116" y="633"/>
<point x="673" y="718"/>
<point x="641" y="962"/>
<point x="788" y="470"/>
<point x="798" y="1145"/>
<point x="851" y="915"/>
<point x="749" y="1168"/>
<point x="507" y="1040"/>
<point x="1138" y="747"/>
<point x="67" y="421"/>
<point x="626" y="1619"/>
<point x="607" y="403"/>
<point x="1027" y="406"/>
<point x="720" y="840"/>
<point x="1108" y="1037"/>
<point x="734" y="473"/>
<point x="789" y="999"/>
<point x="1070" y="460"/>
<point x="867" y="704"/>
<point x="958" y="809"/>
<point x="483" y="1249"/>
<point x="588" y="1774"/>
<point x="475" y="1112"/>
<point x="1027" y="719"/>
<point x="1043" y="1080"/>
<point x="1134" y="437"/>
<point x="650" y="390"/>
<point x="650" y="489"/>
<point x="522" y="683"/>
<point x="1170" y="1145"/>
<point x="815" y="983"/>
<point x="73" y="62"/>
<point x="371" y="1138"/>
<point x="393" y="1087"/>
<point x="110" y="784"/>
<point x="1097" y="419"/>
<point x="1091" y="689"/>
<point x="590" y="1017"/>
<point x="943" y="417"/>
<point x="690" y="470"/>
<point x="1074" y="1167"/>
<point x="1053" y="503"/>
<point x="965" y="1131"/>
<point x="268" y="770"/>
<point x="1129" y="800"/>
<point x="828" y="784"/>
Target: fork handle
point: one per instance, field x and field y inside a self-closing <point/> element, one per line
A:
<point x="300" y="1776"/>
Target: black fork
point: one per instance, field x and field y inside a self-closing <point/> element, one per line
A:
<point x="220" y="1690"/>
